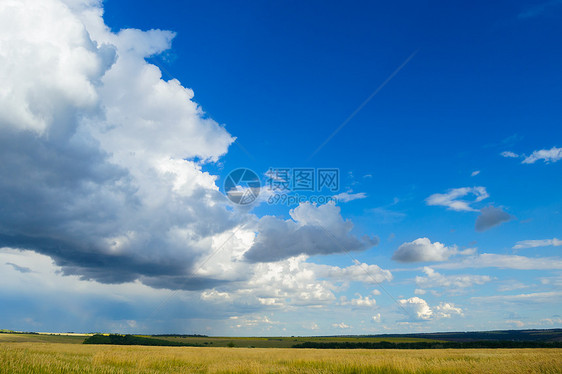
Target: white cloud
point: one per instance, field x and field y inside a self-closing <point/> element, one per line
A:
<point x="417" y="309"/>
<point x="311" y="326"/>
<point x="49" y="67"/>
<point x="292" y="282"/>
<point x="485" y="260"/>
<point x="361" y="301"/>
<point x="434" y="279"/>
<point x="538" y="243"/>
<point x="509" y="154"/>
<point x="422" y="250"/>
<point x="542" y="322"/>
<point x="344" y="197"/>
<point x="475" y="173"/>
<point x="451" y="198"/>
<point x="548" y="155"/>
<point x="419" y="291"/>
<point x="446" y="310"/>
<point x="341" y="325"/>
<point x="253" y="321"/>
<point x="515" y="323"/>
<point x="214" y="295"/>
<point x="368" y="274"/>
<point x="491" y="216"/>
<point x="376" y="318"/>
<point x="512" y="285"/>
<point x="549" y="321"/>
<point x="537" y="297"/>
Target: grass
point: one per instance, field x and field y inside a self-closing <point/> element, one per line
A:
<point x="280" y="342"/>
<point x="43" y="357"/>
<point x="41" y="338"/>
<point x="254" y="342"/>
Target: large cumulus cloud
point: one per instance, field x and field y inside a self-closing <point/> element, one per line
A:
<point x="101" y="158"/>
<point x="312" y="230"/>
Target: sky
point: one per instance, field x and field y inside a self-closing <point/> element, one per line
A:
<point x="280" y="168"/>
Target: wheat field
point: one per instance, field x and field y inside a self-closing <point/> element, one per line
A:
<point x="73" y="358"/>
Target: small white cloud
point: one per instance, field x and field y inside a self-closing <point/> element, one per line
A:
<point x="341" y="325"/>
<point x="538" y="243"/>
<point x="468" y="252"/>
<point x="549" y="321"/>
<point x="423" y="250"/>
<point x="363" y="301"/>
<point x="491" y="216"/>
<point x="509" y="154"/>
<point x="345" y="197"/>
<point x="494" y="260"/>
<point x="450" y="199"/>
<point x="376" y="318"/>
<point x="512" y="285"/>
<point x="435" y="279"/>
<point x="419" y="291"/>
<point x="475" y="173"/>
<point x="311" y="326"/>
<point x="537" y="297"/>
<point x="548" y="155"/>
<point x="515" y="322"/>
<point x="446" y="310"/>
<point x="417" y="309"/>
<point x="214" y="295"/>
<point x="370" y="274"/>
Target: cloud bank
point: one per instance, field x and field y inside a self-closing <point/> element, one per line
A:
<point x="423" y="250"/>
<point x="312" y="230"/>
<point x="547" y="155"/>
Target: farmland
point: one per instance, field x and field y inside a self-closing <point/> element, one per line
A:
<point x="73" y="358"/>
<point x="21" y="353"/>
<point x="207" y="341"/>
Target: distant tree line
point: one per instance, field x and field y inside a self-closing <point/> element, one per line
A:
<point x="497" y="335"/>
<point x="116" y="339"/>
<point x="428" y="345"/>
<point x="180" y="336"/>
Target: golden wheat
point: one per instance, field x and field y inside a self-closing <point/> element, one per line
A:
<point x="71" y="358"/>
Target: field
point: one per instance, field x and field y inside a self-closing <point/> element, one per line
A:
<point x="250" y="342"/>
<point x="57" y="357"/>
<point x="279" y="342"/>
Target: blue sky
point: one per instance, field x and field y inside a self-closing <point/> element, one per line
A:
<point x="117" y="139"/>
